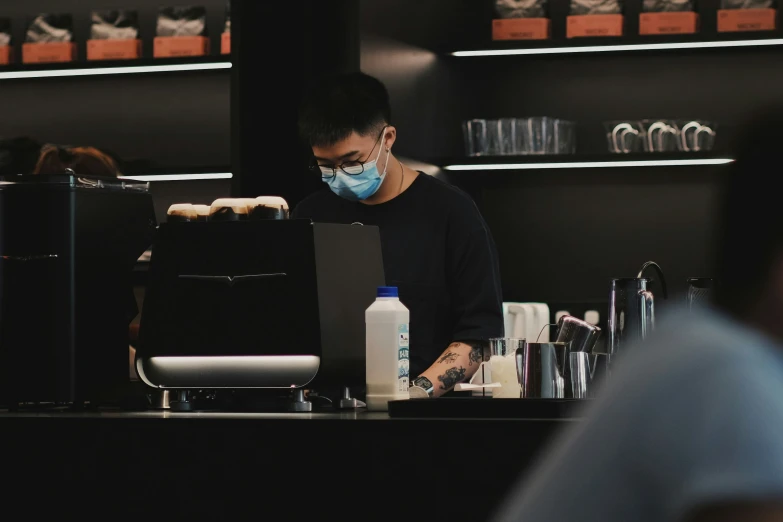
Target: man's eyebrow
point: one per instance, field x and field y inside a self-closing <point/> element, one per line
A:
<point x="346" y="155"/>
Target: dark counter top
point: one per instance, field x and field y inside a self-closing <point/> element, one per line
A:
<point x="359" y="415"/>
<point x="237" y="466"/>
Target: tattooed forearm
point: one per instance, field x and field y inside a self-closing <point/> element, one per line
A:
<point x="448" y="357"/>
<point x="476" y="354"/>
<point x="422" y="382"/>
<point x="451" y="377"/>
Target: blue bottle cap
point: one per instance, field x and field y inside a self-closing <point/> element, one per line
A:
<point x="387" y="291"/>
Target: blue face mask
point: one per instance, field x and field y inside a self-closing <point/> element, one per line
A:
<point x="361" y="185"/>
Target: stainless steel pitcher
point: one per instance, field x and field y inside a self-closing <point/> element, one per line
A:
<point x="542" y="370"/>
<point x="631" y="309"/>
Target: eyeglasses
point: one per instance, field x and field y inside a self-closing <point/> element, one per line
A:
<point x="352" y="168"/>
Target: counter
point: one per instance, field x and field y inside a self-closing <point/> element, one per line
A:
<point x="264" y="466"/>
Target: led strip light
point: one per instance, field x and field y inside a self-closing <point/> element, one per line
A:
<point x="103" y="71"/>
<point x="178" y="177"/>
<point x="591" y="164"/>
<point x="627" y="47"/>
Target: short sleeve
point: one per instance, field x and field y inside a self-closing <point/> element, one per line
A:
<point x="474" y="275"/>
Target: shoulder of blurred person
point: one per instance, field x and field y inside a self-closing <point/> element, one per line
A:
<point x="688" y="426"/>
<point x="85" y="161"/>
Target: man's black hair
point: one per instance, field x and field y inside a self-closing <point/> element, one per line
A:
<point x="750" y="226"/>
<point x="339" y="105"/>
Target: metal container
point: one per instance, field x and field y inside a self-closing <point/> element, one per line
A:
<point x="541" y="370"/>
<point x="580" y="335"/>
<point x="631" y="309"/>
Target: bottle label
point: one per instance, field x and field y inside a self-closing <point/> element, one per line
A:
<point x="403" y="358"/>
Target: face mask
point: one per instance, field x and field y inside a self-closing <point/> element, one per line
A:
<point x="360" y="186"/>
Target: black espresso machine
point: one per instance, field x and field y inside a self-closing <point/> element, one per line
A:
<point x="253" y="305"/>
<point x="68" y="245"/>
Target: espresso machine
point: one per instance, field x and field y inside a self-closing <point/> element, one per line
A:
<point x="258" y="304"/>
<point x="68" y="245"/>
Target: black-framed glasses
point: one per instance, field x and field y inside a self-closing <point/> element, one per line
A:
<point x="352" y="168"/>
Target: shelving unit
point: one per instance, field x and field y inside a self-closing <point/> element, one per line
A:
<point x="620" y="45"/>
<point x="581" y="161"/>
<point x="115" y="67"/>
<point x="565" y="225"/>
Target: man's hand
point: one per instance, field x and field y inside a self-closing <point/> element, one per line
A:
<point x="456" y="364"/>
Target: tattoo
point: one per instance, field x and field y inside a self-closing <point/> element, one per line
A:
<point x="422" y="382"/>
<point x="448" y="357"/>
<point x="451" y="377"/>
<point x="476" y="354"/>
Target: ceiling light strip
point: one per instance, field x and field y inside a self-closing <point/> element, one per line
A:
<point x="620" y="48"/>
<point x="591" y="164"/>
<point x="178" y="177"/>
<point x="103" y="71"/>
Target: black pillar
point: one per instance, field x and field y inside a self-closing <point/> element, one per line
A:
<point x="277" y="48"/>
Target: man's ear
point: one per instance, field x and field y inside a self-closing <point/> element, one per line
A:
<point x="389" y="137"/>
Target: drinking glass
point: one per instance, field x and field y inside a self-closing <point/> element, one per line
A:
<point x="537" y="134"/>
<point x="502" y="365"/>
<point x="623" y="136"/>
<point x="659" y="135"/>
<point x="564" y="137"/>
<point x="493" y="137"/>
<point x="507" y="136"/>
<point x="475" y="135"/>
<point x="695" y="135"/>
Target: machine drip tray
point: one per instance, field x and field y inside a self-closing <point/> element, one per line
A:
<point x="488" y="408"/>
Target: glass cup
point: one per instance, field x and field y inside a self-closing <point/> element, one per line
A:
<point x="507" y="136"/>
<point x="623" y="136"/>
<point x="695" y="135"/>
<point x="493" y="137"/>
<point x="659" y="135"/>
<point x="537" y="134"/>
<point x="502" y="366"/>
<point x="564" y="141"/>
<point x="475" y="134"/>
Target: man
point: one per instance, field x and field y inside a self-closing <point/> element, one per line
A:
<point x="437" y="248"/>
<point x="690" y="426"/>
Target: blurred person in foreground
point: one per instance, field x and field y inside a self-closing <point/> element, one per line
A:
<point x="690" y="426"/>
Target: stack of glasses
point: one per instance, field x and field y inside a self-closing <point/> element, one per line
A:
<point x="507" y="136"/>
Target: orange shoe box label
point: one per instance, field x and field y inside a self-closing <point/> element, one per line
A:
<point x="48" y="52"/>
<point x="6" y="55"/>
<point x="521" y="29"/>
<point x="225" y="43"/>
<point x="594" y="25"/>
<point x="732" y="20"/>
<point x="129" y="49"/>
<point x="686" y="22"/>
<point x="180" y="46"/>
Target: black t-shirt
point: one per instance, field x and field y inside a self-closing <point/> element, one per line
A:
<point x="440" y="254"/>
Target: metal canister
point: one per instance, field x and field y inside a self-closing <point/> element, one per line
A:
<point x="580" y="335"/>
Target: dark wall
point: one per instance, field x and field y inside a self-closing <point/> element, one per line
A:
<point x="563" y="234"/>
<point x="271" y="69"/>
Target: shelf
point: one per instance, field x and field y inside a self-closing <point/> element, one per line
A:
<point x="113" y="68"/>
<point x="617" y="45"/>
<point x="143" y="171"/>
<point x="581" y="161"/>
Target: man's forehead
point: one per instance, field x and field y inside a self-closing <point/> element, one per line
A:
<point x="352" y="144"/>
